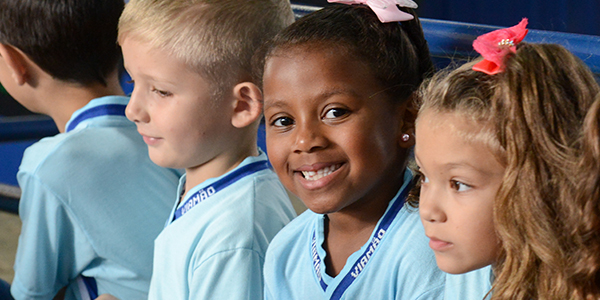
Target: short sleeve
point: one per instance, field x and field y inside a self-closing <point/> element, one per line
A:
<point x="232" y="274"/>
<point x="52" y="249"/>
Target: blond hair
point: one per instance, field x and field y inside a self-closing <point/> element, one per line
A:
<point x="215" y="38"/>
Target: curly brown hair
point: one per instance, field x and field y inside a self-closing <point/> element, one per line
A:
<point x="531" y="117"/>
<point x="584" y="267"/>
<point x="542" y="99"/>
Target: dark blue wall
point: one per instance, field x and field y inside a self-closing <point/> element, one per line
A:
<point x="581" y="16"/>
<point x="574" y="16"/>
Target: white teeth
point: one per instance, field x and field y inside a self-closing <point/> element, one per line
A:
<point x="312" y="175"/>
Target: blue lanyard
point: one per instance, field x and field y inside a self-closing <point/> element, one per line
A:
<point x="97" y="111"/>
<point x="362" y="261"/>
<point x="219" y="185"/>
<point x="88" y="289"/>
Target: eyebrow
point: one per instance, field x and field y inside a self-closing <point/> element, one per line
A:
<point x="151" y="77"/>
<point x="278" y="103"/>
<point x="456" y="165"/>
<point x="274" y="104"/>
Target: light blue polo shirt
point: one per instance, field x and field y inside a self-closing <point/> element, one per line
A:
<point x="216" y="249"/>
<point x="473" y="285"/>
<point x="401" y="266"/>
<point x="92" y="203"/>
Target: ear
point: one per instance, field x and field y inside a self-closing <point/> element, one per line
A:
<point x="17" y="63"/>
<point x="248" y="104"/>
<point x="408" y="115"/>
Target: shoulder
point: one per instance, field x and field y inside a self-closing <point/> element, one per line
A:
<point x="404" y="250"/>
<point x="408" y="240"/>
<point x="266" y="185"/>
<point x="469" y="286"/>
<point x="288" y="258"/>
<point x="293" y="236"/>
<point x="271" y="198"/>
<point x="407" y="225"/>
<point x="247" y="214"/>
<point x="40" y="152"/>
<point x="95" y="150"/>
<point x="81" y="145"/>
<point x="258" y="200"/>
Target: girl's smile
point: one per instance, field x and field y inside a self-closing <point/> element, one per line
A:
<point x="312" y="173"/>
<point x="332" y="136"/>
<point x="318" y="175"/>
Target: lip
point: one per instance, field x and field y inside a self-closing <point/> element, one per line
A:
<point x="321" y="182"/>
<point x="150" y="141"/>
<point x="438" y="245"/>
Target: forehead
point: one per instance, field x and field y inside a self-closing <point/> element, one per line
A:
<point x="452" y="137"/>
<point x="314" y="72"/>
<point x="460" y="123"/>
<point x="143" y="56"/>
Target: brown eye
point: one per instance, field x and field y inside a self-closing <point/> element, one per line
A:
<point x="335" y="113"/>
<point x="282" y="122"/>
<point x="459" y="186"/>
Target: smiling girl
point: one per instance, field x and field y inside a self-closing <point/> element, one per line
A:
<point x="337" y="87"/>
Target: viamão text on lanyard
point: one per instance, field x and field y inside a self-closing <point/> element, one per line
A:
<point x="364" y="259"/>
<point x="219" y="185"/>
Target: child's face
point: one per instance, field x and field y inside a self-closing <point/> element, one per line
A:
<point x="331" y="137"/>
<point x="460" y="182"/>
<point x="172" y="108"/>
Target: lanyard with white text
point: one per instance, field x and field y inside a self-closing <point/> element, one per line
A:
<point x="97" y="111"/>
<point x="362" y="261"/>
<point x="218" y="185"/>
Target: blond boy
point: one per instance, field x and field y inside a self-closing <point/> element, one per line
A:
<point x="197" y="108"/>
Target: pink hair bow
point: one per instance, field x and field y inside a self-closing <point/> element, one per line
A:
<point x="386" y="10"/>
<point x="495" y="45"/>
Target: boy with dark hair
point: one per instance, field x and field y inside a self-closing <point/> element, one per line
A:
<point x="92" y="200"/>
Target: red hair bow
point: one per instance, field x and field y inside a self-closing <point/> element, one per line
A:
<point x="495" y="45"/>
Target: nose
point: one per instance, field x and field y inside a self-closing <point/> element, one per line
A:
<point x="136" y="108"/>
<point x="310" y="137"/>
<point x="431" y="205"/>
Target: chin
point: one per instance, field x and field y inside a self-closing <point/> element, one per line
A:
<point x="160" y="161"/>
<point x="459" y="269"/>
<point x="320" y="208"/>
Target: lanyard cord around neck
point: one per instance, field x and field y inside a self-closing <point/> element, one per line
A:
<point x="362" y="260"/>
<point x="219" y="185"/>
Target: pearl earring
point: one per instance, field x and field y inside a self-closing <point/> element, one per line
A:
<point x="405" y="137"/>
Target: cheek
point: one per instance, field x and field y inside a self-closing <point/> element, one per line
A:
<point x="276" y="152"/>
<point x="486" y="239"/>
<point x="375" y="149"/>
